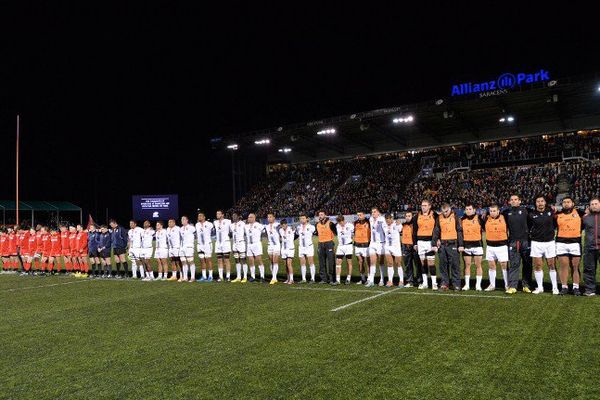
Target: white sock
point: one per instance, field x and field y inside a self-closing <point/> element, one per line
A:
<point x="337" y="278"/>
<point x="467" y="281"/>
<point x="433" y="280"/>
<point x="505" y="277"/>
<point x="185" y="272"/>
<point x="492" y="274"/>
<point x="193" y="272"/>
<point x="261" y="269"/>
<point x="313" y="272"/>
<point x="372" y="270"/>
<point x="349" y="278"/>
<point x="133" y="269"/>
<point x="424" y="276"/>
<point x="552" y="273"/>
<point x="539" y="279"/>
<point x="274" y="270"/>
<point x="142" y="269"/>
<point x="210" y="273"/>
<point x="203" y="274"/>
<point x="252" y="272"/>
<point x="221" y="273"/>
<point x="238" y="270"/>
<point x="150" y="274"/>
<point x="381" y="272"/>
<point x="245" y="269"/>
<point x="479" y="278"/>
<point x="303" y="272"/>
<point x="390" y="273"/>
<point x="173" y="274"/>
<point x="228" y="274"/>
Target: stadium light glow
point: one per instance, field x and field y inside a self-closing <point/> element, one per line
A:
<point x="599" y="88"/>
<point x="403" y="120"/>
<point x="285" y="150"/>
<point x="508" y="118"/>
<point x="262" y="141"/>
<point x="329" y="131"/>
<point x="232" y="147"/>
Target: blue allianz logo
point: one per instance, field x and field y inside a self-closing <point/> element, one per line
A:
<point x="504" y="82"/>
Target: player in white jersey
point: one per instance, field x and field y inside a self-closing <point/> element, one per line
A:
<point x="146" y="252"/>
<point x="223" y="245"/>
<point x="238" y="234"/>
<point x="204" y="230"/>
<point x="376" y="248"/>
<point x="392" y="231"/>
<point x="287" y="236"/>
<point x="345" y="234"/>
<point x="135" y="248"/>
<point x="174" y="242"/>
<point x="161" y="252"/>
<point x="254" y="251"/>
<point x="306" y="250"/>
<point x="188" y="234"/>
<point x="274" y="246"/>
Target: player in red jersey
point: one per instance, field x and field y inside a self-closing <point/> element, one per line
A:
<point x="12" y="248"/>
<point x="73" y="249"/>
<point x="24" y="251"/>
<point x="29" y="257"/>
<point x="55" y="251"/>
<point x="45" y="250"/>
<point x="81" y="244"/>
<point x="39" y="249"/>
<point x="65" y="248"/>
<point x="4" y="249"/>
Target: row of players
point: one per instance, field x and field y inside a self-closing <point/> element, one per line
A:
<point x="514" y="237"/>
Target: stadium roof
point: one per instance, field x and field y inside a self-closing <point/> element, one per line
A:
<point x="552" y="106"/>
<point x="10" y="205"/>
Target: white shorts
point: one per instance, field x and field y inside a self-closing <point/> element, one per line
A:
<point x="308" y="251"/>
<point x="568" y="249"/>
<point x="161" y="253"/>
<point x="543" y="249"/>
<point x="273" y="249"/>
<point x="135" y="254"/>
<point x="186" y="252"/>
<point x="424" y="247"/>
<point x="344" y="250"/>
<point x="204" y="250"/>
<point x="174" y="252"/>
<point x="473" y="251"/>
<point x="361" y="251"/>
<point x="376" y="248"/>
<point x="395" y="251"/>
<point x="287" y="253"/>
<point x="223" y="247"/>
<point x="496" y="253"/>
<point x="255" y="250"/>
<point x="239" y="247"/>
<point x="146" y="252"/>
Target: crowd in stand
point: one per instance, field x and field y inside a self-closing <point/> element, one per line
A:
<point x="394" y="181"/>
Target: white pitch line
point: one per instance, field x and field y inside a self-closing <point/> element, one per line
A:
<point x="365" y="299"/>
<point x="480" y="296"/>
<point x="42" y="286"/>
<point x="341" y="290"/>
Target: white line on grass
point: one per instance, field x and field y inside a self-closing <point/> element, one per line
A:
<point x="43" y="286"/>
<point x="480" y="296"/>
<point x="341" y="290"/>
<point x="365" y="299"/>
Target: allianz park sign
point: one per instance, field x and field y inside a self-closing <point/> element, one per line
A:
<point x="501" y="85"/>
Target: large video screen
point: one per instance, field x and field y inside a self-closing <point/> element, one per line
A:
<point x="155" y="207"/>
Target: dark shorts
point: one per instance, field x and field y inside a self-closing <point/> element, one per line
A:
<point x="117" y="251"/>
<point x="93" y="253"/>
<point x="105" y="253"/>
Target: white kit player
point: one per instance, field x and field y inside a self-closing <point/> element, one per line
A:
<point x="238" y="234"/>
<point x="254" y="249"/>
<point x="146" y="252"/>
<point x="345" y="233"/>
<point x="174" y="242"/>
<point x="274" y="246"/>
<point x="392" y="231"/>
<point x="306" y="250"/>
<point x="161" y="251"/>
<point x="188" y="234"/>
<point x="204" y="231"/>
<point x="223" y="245"/>
<point x="287" y="236"/>
<point x="135" y="248"/>
<point x="376" y="248"/>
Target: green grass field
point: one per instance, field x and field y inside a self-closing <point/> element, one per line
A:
<point x="77" y="339"/>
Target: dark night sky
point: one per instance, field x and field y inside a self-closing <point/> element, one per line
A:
<point x="118" y="101"/>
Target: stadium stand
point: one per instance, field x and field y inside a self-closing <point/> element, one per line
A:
<point x="482" y="173"/>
